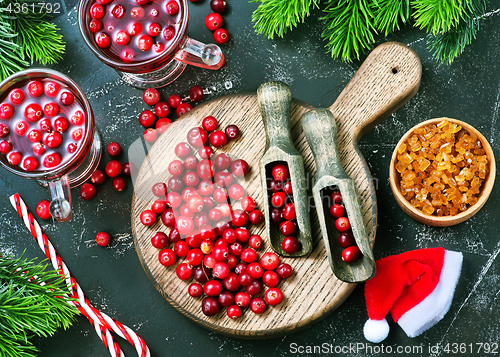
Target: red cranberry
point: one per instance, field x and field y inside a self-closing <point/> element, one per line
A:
<point x="150" y="135"/>
<point x="276" y="215"/>
<point x="337" y="210"/>
<point x="213" y="21"/>
<point x="182" y="150"/>
<point x="232" y="132"/>
<point x="239" y="218"/>
<point x="220" y="195"/>
<point x="184" y="225"/>
<point x="67" y="98"/>
<point x="159" y="240"/>
<point x="280" y="172"/>
<point x="278" y="199"/>
<point x="195" y="203"/>
<point x="113" y="168"/>
<point x="77" y="134"/>
<point x="242" y="299"/>
<point x="336" y="197"/>
<point x="35" y="136"/>
<point x="287" y="188"/>
<point x="7" y="110"/>
<point x="274" y="186"/>
<point x="145" y="43"/>
<point x="191" y="162"/>
<point x="183" y="108"/>
<point x="288" y="228"/>
<point x="248" y="204"/>
<point x="94" y="27"/>
<point x="151" y="96"/>
<point x="61" y="124"/>
<point x="342" y="224"/>
<point x="346" y="239"/>
<point x="30" y="163"/>
<point x="98" y="177"/>
<point x="172" y="8"/>
<point x="255" y="270"/>
<point x="218" y="139"/>
<point x="168" y="218"/>
<point x="231" y="283"/>
<point x="162" y="124"/>
<point x="52" y="160"/>
<point x="51" y="89"/>
<point x="118" y="11"/>
<point x="194" y="257"/>
<point x="102" y="239"/>
<point x="5" y="147"/>
<point x="42" y="209"/>
<point x="154" y="29"/>
<point x="269" y="261"/>
<point x="148" y="217"/>
<point x="103" y="40"/>
<point x="114" y="149"/>
<point x="270" y="279"/>
<point x="122" y="38"/>
<point x="256" y="217"/>
<point x="119" y="183"/>
<point x="284" y="270"/>
<point x="17" y="96"/>
<point x="22" y="127"/>
<point x="195" y="290"/>
<point x="127" y="55"/>
<point x="35" y="88"/>
<point x="210" y="306"/>
<point x="205" y="152"/>
<point x="212" y="288"/>
<point x="290" y="245"/>
<point x="175" y="183"/>
<point x="255" y="241"/>
<point x="159" y="189"/>
<point x="167" y="257"/>
<point x="78" y="118"/>
<point x="248" y="255"/>
<point x="97" y="11"/>
<point x="245" y="279"/>
<point x="240" y="168"/>
<point x="221" y="36"/>
<point x="87" y="191"/>
<point x="197" y="137"/>
<point x="184" y="271"/>
<point x="289" y="212"/>
<point x="196" y="94"/>
<point x="51" y="109"/>
<point x="191" y="179"/>
<point x="169" y="34"/>
<point x="222" y="161"/>
<point x="14" y="157"/>
<point x="220" y="253"/>
<point x="220" y="270"/>
<point x="174" y="101"/>
<point x="33" y="112"/>
<point x="218" y="5"/>
<point x="173" y="199"/>
<point x="135" y="28"/>
<point x="273" y="296"/>
<point x="351" y="254"/>
<point x="200" y="273"/>
<point x="39" y="149"/>
<point x="209" y="123"/>
<point x="255" y="287"/>
<point x="162" y="109"/>
<point x="147" y="118"/>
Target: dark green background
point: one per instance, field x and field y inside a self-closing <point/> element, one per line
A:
<point x="113" y="278"/>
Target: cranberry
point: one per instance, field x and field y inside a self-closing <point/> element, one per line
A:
<point x="172" y="8"/>
<point x="42" y="209"/>
<point x="14" y="157"/>
<point x="114" y="149"/>
<point x="206" y="246"/>
<point x="209" y="123"/>
<point x="284" y="270"/>
<point x="142" y="2"/>
<point x="35" y="136"/>
<point x="67" y="98"/>
<point x="270" y="279"/>
<point x="168" y="34"/>
<point x="289" y="212"/>
<point x="215" y="214"/>
<point x="232" y="132"/>
<point x="103" y="40"/>
<point x="248" y="255"/>
<point x="78" y="118"/>
<point x="197" y="137"/>
<point x="218" y="5"/>
<point x="151" y="96"/>
<point x="226" y="299"/>
<point x="113" y="168"/>
<point x="213" y="21"/>
<point x="195" y="203"/>
<point x="221" y="36"/>
<point x="175" y="184"/>
<point x="240" y="168"/>
<point x="159" y="240"/>
<point x="39" y="149"/>
<point x="135" y="28"/>
<point x="17" y="96"/>
<point x="220" y="195"/>
<point x="209" y="261"/>
<point x="87" y="191"/>
<point x="273" y="296"/>
<point x="167" y="257"/>
<point x="195" y="290"/>
<point x="97" y="11"/>
<point x="148" y="217"/>
<point x="218" y="139"/>
<point x="241" y="268"/>
<point x="255" y="287"/>
<point x="183" y="109"/>
<point x="33" y="112"/>
<point x="342" y="224"/>
<point x="137" y="12"/>
<point x="5" y="147"/>
<point x="184" y="225"/>
<point x="159" y="189"/>
<point x="118" y="11"/>
<point x="205" y="152"/>
<point x="337" y="210"/>
<point x="220" y="270"/>
<point x="61" y="124"/>
<point x="336" y="197"/>
<point x="174" y="100"/>
<point x="345" y="239"/>
<point x="200" y="273"/>
<point x="182" y="150"/>
<point x="22" y="127"/>
<point x="287" y="228"/>
<point x="276" y="215"/>
<point x="168" y="218"/>
<point x="256" y="217"/>
<point x="77" y="134"/>
<point x="162" y="124"/>
<point x="242" y="299"/>
<point x="222" y="161"/>
<point x="52" y="160"/>
<point x="248" y="204"/>
<point x="191" y="162"/>
<point x="154" y="29"/>
<point x="51" y="89"/>
<point x="102" y="239"/>
<point x="7" y="110"/>
<point x="269" y="261"/>
<point x="162" y="109"/>
<point x="236" y="191"/>
<point x="280" y="172"/>
<point x="245" y="279"/>
<point x="145" y="43"/>
<point x="127" y="168"/>
<point x="94" y="27"/>
<point x="30" y="163"/>
<point x="35" y="88"/>
<point x="287" y="188"/>
<point x="51" y="109"/>
<point x="173" y="199"/>
<point x="150" y="135"/>
<point x="351" y="254"/>
<point x="220" y="253"/>
<point x="210" y="306"/>
<point x="290" y="245"/>
<point x="158" y="47"/>
<point x="122" y="38"/>
<point x="184" y="271"/>
<point x="191" y="179"/>
<point x="278" y="199"/>
<point x="235" y="249"/>
<point x="225" y="209"/>
<point x="255" y="241"/>
<point x="255" y="270"/>
<point x="196" y="94"/>
<point x="212" y="288"/>
<point x="274" y="186"/>
<point x="239" y="218"/>
<point x="194" y="257"/>
<point x="119" y="183"/>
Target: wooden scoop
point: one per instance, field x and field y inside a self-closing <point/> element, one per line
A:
<point x="275" y="103"/>
<point x="320" y="130"/>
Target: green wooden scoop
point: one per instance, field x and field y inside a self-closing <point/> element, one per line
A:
<point x="275" y="102"/>
<point x="321" y="134"/>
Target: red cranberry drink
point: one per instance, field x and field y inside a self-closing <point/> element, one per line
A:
<point x="144" y="40"/>
<point x="47" y="131"/>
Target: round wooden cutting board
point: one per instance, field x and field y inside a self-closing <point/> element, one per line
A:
<point x="388" y="78"/>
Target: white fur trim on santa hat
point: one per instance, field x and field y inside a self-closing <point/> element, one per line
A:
<point x="432" y="309"/>
<point x="376" y="330"/>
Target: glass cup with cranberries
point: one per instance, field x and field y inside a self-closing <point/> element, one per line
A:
<point x="47" y="133"/>
<point x="144" y="41"/>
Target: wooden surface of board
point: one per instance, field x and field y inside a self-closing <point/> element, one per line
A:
<point x="388" y="78"/>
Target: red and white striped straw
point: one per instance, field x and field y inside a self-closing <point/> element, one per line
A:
<point x="102" y="323"/>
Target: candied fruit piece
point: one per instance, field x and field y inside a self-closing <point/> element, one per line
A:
<point x="402" y="148"/>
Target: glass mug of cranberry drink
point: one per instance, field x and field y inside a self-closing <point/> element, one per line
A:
<point x="145" y="41"/>
<point x="47" y="133"/>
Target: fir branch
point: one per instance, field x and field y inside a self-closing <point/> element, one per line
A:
<point x="33" y="300"/>
<point x="349" y="28"/>
<point x="438" y="15"/>
<point x="446" y="46"/>
<point x="389" y="14"/>
<point x="276" y="17"/>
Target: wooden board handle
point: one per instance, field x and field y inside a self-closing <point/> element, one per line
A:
<point x="321" y="133"/>
<point x="275" y="104"/>
<point x="386" y="80"/>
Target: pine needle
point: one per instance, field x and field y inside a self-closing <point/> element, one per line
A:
<point x="438" y="15"/>
<point x="348" y="28"/>
<point x="390" y="13"/>
<point x="276" y="17"/>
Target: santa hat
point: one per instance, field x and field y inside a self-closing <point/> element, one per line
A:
<point x="416" y="287"/>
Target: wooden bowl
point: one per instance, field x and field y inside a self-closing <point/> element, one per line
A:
<point x="486" y="186"/>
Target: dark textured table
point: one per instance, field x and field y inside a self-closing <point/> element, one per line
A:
<point x="113" y="278"/>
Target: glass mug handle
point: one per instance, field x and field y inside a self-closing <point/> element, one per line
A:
<point x="198" y="54"/>
<point x="60" y="205"/>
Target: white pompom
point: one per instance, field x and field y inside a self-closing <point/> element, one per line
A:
<point x="376" y="330"/>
